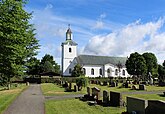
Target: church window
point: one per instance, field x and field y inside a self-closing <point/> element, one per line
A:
<point x="116" y="72"/>
<point x="70" y="50"/>
<point x="70" y="71"/>
<point x="84" y="71"/>
<point x="108" y="71"/>
<point x="101" y="73"/>
<point x="92" y="71"/>
<point x="123" y="72"/>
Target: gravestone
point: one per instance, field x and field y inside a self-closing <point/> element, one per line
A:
<point x="116" y="99"/>
<point x="155" y="107"/>
<point x="134" y="87"/>
<point x="113" y="84"/>
<point x="88" y="91"/>
<point x="137" y="105"/>
<point x="126" y="85"/>
<point x="75" y="88"/>
<point x="105" y="97"/>
<point x="27" y="83"/>
<point x="96" y="93"/>
<point x="105" y="83"/>
<point x="142" y="87"/>
<point x="70" y="86"/>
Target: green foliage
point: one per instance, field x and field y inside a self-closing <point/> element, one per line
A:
<point x="33" y="66"/>
<point x="82" y="81"/>
<point x="17" y="41"/>
<point x="136" y="64"/>
<point x="49" y="65"/>
<point x="77" y="71"/>
<point x="161" y="72"/>
<point x="151" y="63"/>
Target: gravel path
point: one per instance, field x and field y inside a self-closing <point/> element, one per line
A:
<point x="30" y="101"/>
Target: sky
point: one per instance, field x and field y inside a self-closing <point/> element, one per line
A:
<point x="100" y="27"/>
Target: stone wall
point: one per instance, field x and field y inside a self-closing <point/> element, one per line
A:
<point x="137" y="105"/>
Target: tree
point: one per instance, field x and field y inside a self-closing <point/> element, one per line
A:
<point x="33" y="66"/>
<point x="77" y="71"/>
<point x="136" y="65"/>
<point x="151" y="63"/>
<point x="161" y="72"/>
<point x="48" y="61"/>
<point x="48" y="67"/>
<point x="17" y="41"/>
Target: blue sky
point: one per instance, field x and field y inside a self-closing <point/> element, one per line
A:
<point x="100" y="27"/>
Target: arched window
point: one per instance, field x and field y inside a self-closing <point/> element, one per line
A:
<point x="108" y="71"/>
<point x="84" y="71"/>
<point x="123" y="72"/>
<point x="101" y="72"/>
<point x="92" y="71"/>
<point x="70" y="71"/>
<point x="70" y="50"/>
<point x="116" y="72"/>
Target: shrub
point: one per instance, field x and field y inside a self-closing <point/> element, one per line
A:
<point x="82" y="81"/>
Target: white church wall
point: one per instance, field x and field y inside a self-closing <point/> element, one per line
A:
<point x="113" y="73"/>
<point x="96" y="68"/>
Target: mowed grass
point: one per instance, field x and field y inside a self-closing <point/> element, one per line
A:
<point x="75" y="106"/>
<point x="7" y="96"/>
<point x="50" y="89"/>
<point x="148" y="96"/>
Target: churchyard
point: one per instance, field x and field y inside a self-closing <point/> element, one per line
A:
<point x="88" y="105"/>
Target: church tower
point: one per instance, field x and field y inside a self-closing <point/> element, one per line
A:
<point x="69" y="52"/>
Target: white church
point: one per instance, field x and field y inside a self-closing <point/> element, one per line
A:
<point x="93" y="66"/>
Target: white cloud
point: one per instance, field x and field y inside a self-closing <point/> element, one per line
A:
<point x="99" y="23"/>
<point x="133" y="37"/>
<point x="48" y="6"/>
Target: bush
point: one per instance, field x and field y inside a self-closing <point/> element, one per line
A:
<point x="82" y="81"/>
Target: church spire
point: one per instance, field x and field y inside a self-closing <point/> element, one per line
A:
<point x="69" y="33"/>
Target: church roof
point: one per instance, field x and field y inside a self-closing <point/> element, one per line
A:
<point x="100" y="60"/>
<point x="70" y="42"/>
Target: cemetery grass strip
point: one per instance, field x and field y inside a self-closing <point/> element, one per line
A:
<point x="8" y="96"/>
<point x="50" y="89"/>
<point x="148" y="96"/>
<point x="75" y="106"/>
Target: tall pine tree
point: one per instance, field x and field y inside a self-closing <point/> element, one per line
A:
<point x="17" y="38"/>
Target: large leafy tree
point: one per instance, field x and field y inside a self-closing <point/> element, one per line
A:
<point x="161" y="72"/>
<point x="151" y="63"/>
<point x="136" y="65"/>
<point x="33" y="66"/>
<point x="48" y="64"/>
<point x="17" y="38"/>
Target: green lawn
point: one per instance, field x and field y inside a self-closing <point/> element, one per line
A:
<point x="53" y="89"/>
<point x="7" y="96"/>
<point x="75" y="106"/>
<point x="50" y="89"/>
<point x="148" y="96"/>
